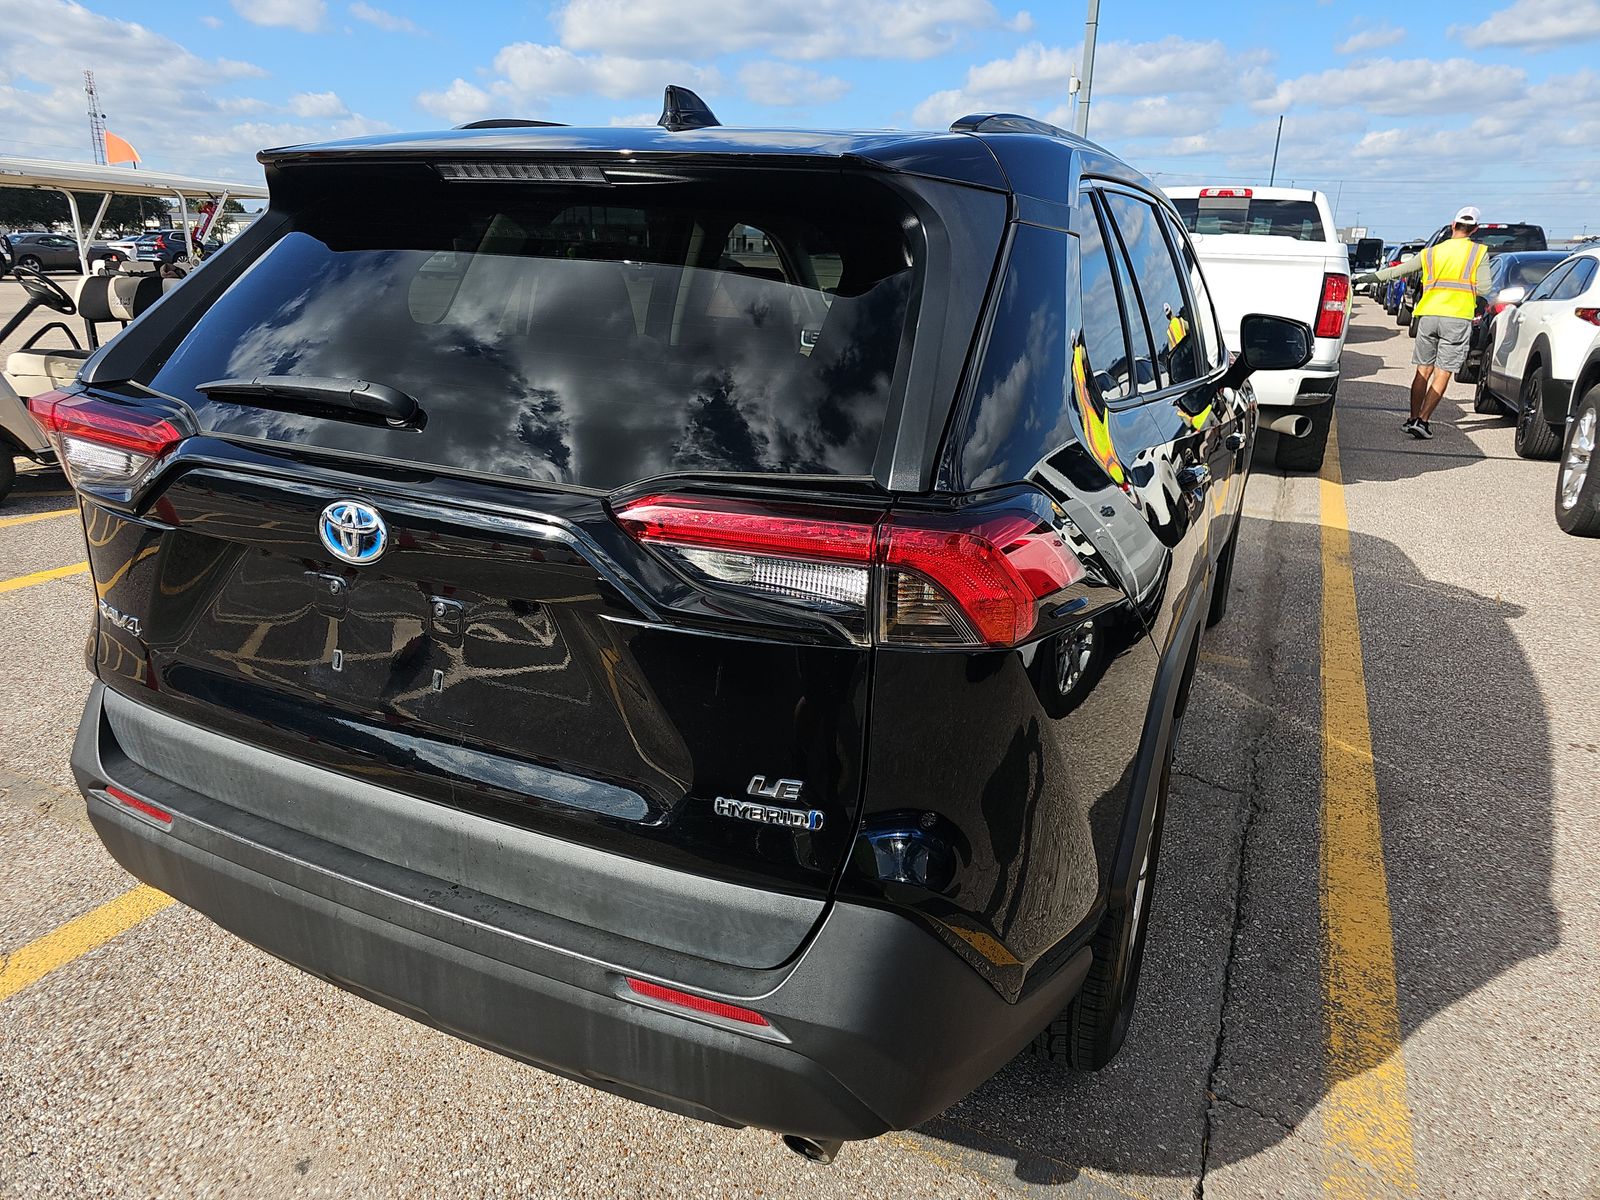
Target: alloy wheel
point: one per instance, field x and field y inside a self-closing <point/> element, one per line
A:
<point x="1580" y="451"/>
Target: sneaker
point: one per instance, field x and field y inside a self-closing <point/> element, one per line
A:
<point x="1409" y="422"/>
<point x="1419" y="429"/>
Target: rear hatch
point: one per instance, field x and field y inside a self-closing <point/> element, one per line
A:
<point x="502" y="644"/>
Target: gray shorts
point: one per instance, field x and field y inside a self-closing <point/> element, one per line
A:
<point x="1441" y="342"/>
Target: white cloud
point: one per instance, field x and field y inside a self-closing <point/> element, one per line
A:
<point x="1021" y="23"/>
<point x="210" y="21"/>
<point x="781" y="85"/>
<point x="1376" y="38"/>
<point x="1534" y="25"/>
<point x="304" y="15"/>
<point x="325" y="105"/>
<point x="1036" y="77"/>
<point x="1418" y="86"/>
<point x="634" y="120"/>
<point x="383" y="19"/>
<point x="530" y="75"/>
<point x="703" y="29"/>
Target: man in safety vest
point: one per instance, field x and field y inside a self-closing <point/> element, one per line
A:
<point x="1454" y="274"/>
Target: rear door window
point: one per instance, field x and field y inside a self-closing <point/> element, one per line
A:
<point x="1210" y="346"/>
<point x="1576" y="281"/>
<point x="1547" y="286"/>
<point x="1161" y="294"/>
<point x="1104" y="340"/>
<point x="570" y="336"/>
<point x="1298" y="219"/>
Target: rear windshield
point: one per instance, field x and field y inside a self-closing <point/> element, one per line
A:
<point x="1510" y="237"/>
<point x="1296" y="219"/>
<point x="1525" y="272"/>
<point x="588" y="336"/>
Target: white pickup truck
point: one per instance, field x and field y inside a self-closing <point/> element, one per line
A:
<point x="1275" y="250"/>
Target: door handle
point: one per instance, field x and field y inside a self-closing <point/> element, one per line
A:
<point x="1194" y="479"/>
<point x="1234" y="441"/>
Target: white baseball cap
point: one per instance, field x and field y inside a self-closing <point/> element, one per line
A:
<point x="1467" y="216"/>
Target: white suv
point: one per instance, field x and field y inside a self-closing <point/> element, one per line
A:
<point x="1540" y="340"/>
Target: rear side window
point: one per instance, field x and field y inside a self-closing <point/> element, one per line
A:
<point x="1161" y="294"/>
<point x="591" y="337"/>
<point x="1577" y="280"/>
<point x="1550" y="283"/>
<point x="1210" y="346"/>
<point x="1104" y="343"/>
<point x="1298" y="219"/>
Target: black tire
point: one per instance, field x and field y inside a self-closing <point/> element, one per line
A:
<point x="1402" y="313"/>
<point x="32" y="261"/>
<point x="1306" y="453"/>
<point x="8" y="471"/>
<point x="1411" y="324"/>
<point x="1089" y="1031"/>
<point x="1577" y="481"/>
<point x="1535" y="437"/>
<point x="1483" y="399"/>
<point x="1219" y="587"/>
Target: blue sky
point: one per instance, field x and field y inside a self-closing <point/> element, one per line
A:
<point x="1402" y="113"/>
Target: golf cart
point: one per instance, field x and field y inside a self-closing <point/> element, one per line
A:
<point x="34" y="366"/>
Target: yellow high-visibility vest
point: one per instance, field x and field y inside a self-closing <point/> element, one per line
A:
<point x="1449" y="279"/>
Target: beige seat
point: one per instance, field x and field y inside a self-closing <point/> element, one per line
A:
<point x="101" y="298"/>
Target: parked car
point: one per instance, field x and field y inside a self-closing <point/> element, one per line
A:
<point x="1538" y="344"/>
<point x="1577" y="483"/>
<point x="1385" y="257"/>
<point x="1522" y="269"/>
<point x="1276" y="250"/>
<point x="55" y="251"/>
<point x="1394" y="289"/>
<point x="662" y="536"/>
<point x="1496" y="238"/>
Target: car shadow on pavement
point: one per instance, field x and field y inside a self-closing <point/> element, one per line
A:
<point x="1225" y="1058"/>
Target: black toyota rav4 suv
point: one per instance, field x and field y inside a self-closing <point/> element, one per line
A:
<point x="706" y="612"/>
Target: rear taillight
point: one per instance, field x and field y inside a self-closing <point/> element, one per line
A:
<point x="1228" y="193"/>
<point x="100" y="443"/>
<point x="1330" y="313"/>
<point x="1591" y="315"/>
<point x="975" y="578"/>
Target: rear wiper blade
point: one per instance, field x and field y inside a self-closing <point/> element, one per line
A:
<point x="353" y="395"/>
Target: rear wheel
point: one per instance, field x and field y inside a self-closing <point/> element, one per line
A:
<point x="1535" y="437"/>
<point x="1306" y="453"/>
<point x="1577" y="484"/>
<point x="32" y="261"/>
<point x="1402" y="313"/>
<point x="1483" y="400"/>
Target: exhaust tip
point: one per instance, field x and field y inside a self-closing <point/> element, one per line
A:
<point x="1290" y="424"/>
<point x="817" y="1150"/>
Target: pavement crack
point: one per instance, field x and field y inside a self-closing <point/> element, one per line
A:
<point x="1210" y="783"/>
<point x="1270" y="1118"/>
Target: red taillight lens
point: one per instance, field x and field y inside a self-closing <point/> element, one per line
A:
<point x="1330" y="313"/>
<point x="994" y="574"/>
<point x="699" y="1004"/>
<point x="100" y="443"/>
<point x="1233" y="193"/>
<point x="1591" y="315"/>
<point x="143" y="807"/>
<point x="944" y="579"/>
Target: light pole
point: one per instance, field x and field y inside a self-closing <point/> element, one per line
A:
<point x="1090" y="27"/>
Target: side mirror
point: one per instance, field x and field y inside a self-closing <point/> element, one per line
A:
<point x="1269" y="343"/>
<point x="1510" y="295"/>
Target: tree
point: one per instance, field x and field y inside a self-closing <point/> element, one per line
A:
<point x="30" y="208"/>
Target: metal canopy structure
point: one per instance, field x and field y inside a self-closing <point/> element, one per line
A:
<point x="72" y="179"/>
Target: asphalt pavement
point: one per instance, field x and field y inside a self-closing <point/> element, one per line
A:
<point x="1267" y="1058"/>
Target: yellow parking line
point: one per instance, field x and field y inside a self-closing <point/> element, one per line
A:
<point x="22" y="581"/>
<point x="77" y="937"/>
<point x="8" y="522"/>
<point x="1366" y="1121"/>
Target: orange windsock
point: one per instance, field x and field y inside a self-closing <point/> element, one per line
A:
<point x="119" y="151"/>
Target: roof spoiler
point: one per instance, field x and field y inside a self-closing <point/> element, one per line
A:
<point x="681" y="109"/>
<point x="1004" y="123"/>
<point x="511" y="123"/>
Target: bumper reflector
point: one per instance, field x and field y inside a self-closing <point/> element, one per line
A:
<point x="700" y="1004"/>
<point x="142" y="807"/>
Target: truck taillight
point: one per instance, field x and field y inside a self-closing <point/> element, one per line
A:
<point x="100" y="443"/>
<point x="1330" y="313"/>
<point x="971" y="578"/>
<point x="1231" y="193"/>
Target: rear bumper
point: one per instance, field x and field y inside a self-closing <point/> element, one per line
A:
<point x="875" y="1024"/>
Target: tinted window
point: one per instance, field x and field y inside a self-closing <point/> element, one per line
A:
<point x="1166" y="307"/>
<point x="1142" y="355"/>
<point x="1298" y="219"/>
<point x="1509" y="237"/>
<point x="1524" y="271"/>
<point x="1549" y="283"/>
<point x="1104" y="342"/>
<point x="1019" y="413"/>
<point x="1210" y="346"/>
<point x="1577" y="280"/>
<point x="552" y="336"/>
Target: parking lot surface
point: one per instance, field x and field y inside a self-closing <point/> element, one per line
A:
<point x="1371" y="970"/>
